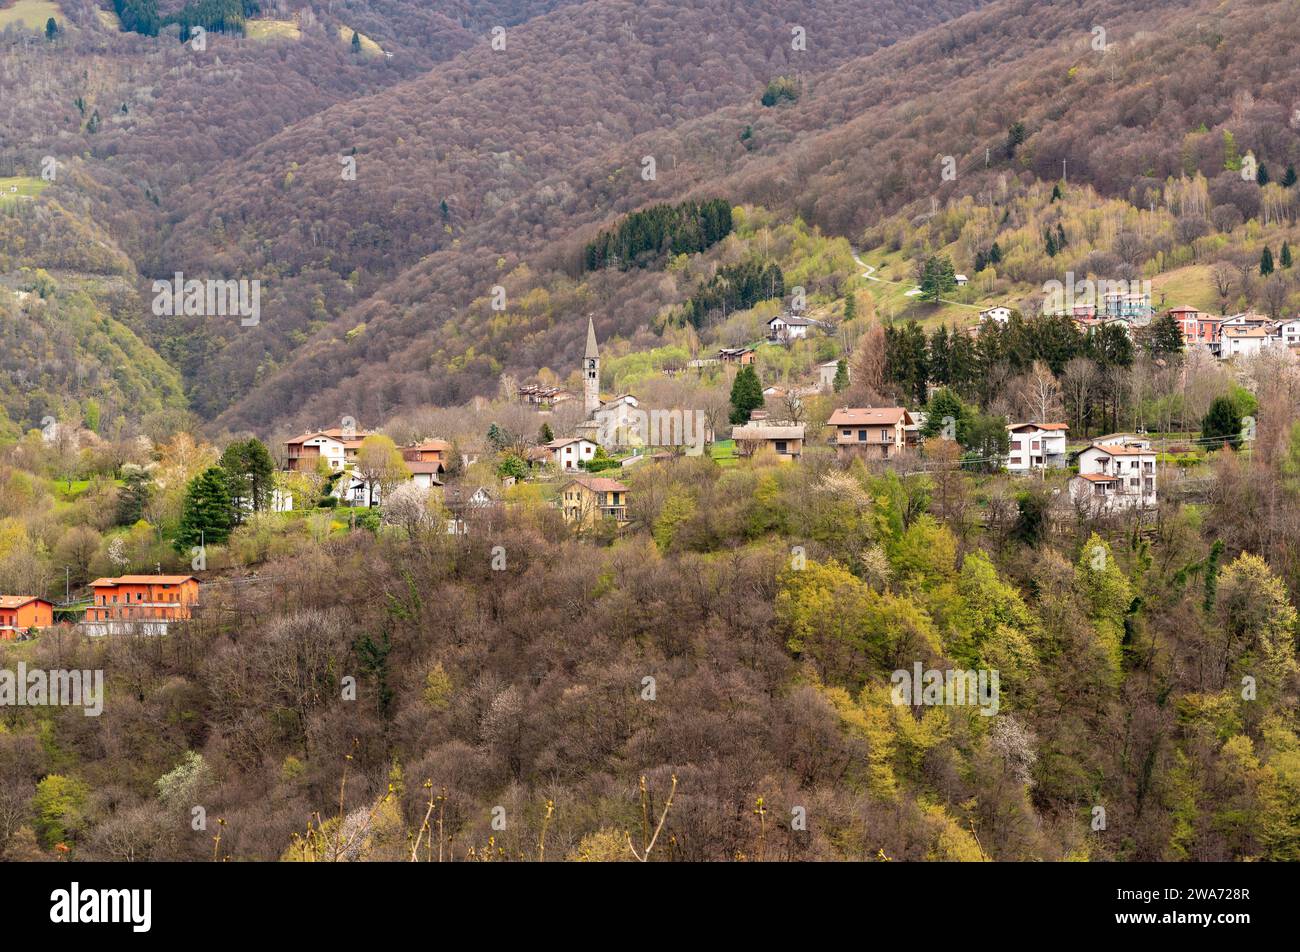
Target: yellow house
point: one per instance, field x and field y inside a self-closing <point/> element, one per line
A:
<point x="585" y="499"/>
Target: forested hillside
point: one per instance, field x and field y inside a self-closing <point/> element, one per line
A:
<point x="423" y="647"/>
<point x="866" y="138"/>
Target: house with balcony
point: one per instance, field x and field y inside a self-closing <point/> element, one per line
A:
<point x="1243" y="341"/>
<point x="338" y="447"/>
<point x="585" y="500"/>
<point x="140" y="603"/>
<point x="1199" y="329"/>
<point x="20" y="614"/>
<point x="1287" y="333"/>
<point x="871" y="432"/>
<point x="1035" y="446"/>
<point x="788" y="327"/>
<point x="1127" y="305"/>
<point x="1115" y="476"/>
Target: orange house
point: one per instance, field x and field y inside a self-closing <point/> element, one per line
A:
<point x="428" y="451"/>
<point x="143" y="598"/>
<point x="20" y="612"/>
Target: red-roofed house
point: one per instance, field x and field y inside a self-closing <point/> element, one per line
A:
<point x="1198" y="327"/>
<point x="149" y="598"/>
<point x="336" y="447"/>
<point x="1243" y="341"/>
<point x="1115" y="476"/>
<point x="874" y="432"/>
<point x="428" y="451"/>
<point x="20" y="613"/>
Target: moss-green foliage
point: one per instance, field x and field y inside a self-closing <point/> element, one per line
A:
<point x="59" y="807"/>
<point x="66" y="353"/>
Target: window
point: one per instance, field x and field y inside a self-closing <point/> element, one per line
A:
<point x="862" y="436"/>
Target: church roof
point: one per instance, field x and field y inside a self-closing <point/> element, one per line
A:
<point x="591" y="341"/>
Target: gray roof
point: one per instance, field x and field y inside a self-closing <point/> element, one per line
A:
<point x="751" y="432"/>
<point x="592" y="353"/>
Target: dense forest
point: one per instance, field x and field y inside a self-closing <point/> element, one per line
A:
<point x="1148" y="673"/>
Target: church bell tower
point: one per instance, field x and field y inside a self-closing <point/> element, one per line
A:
<point x="591" y="372"/>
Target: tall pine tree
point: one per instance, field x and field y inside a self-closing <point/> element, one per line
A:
<point x="746" y="395"/>
<point x="206" y="511"/>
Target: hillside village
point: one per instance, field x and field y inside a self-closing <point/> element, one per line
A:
<point x="581" y="473"/>
<point x="642" y="408"/>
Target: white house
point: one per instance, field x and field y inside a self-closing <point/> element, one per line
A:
<point x="1246" y="319"/>
<point x="785" y="327"/>
<point x="961" y="280"/>
<point x="1036" y="446"/>
<point x="334" y="446"/>
<point x="423" y="473"/>
<point x="567" y="453"/>
<point x="1242" y="341"/>
<point x="1114" y="476"/>
<point x="997" y="315"/>
<point x="1287" y="333"/>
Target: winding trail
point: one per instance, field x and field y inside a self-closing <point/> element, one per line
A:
<point x="870" y="274"/>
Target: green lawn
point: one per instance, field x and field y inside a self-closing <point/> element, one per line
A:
<point x="31" y="14"/>
<point x="723" y="452"/>
<point x="15" y="187"/>
<point x="368" y="46"/>
<point x="1191" y="285"/>
<point x="274" y="30"/>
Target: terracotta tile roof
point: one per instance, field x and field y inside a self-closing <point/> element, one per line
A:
<point x="1098" y="477"/>
<point x="141" y="580"/>
<point x="420" y="466"/>
<point x="600" y="484"/>
<point x="1038" y="426"/>
<point x="18" y="601"/>
<point x="868" y="416"/>
<point x="334" y="433"/>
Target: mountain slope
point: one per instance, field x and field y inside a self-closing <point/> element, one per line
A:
<point x="865" y="139"/>
<point x="439" y="159"/>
